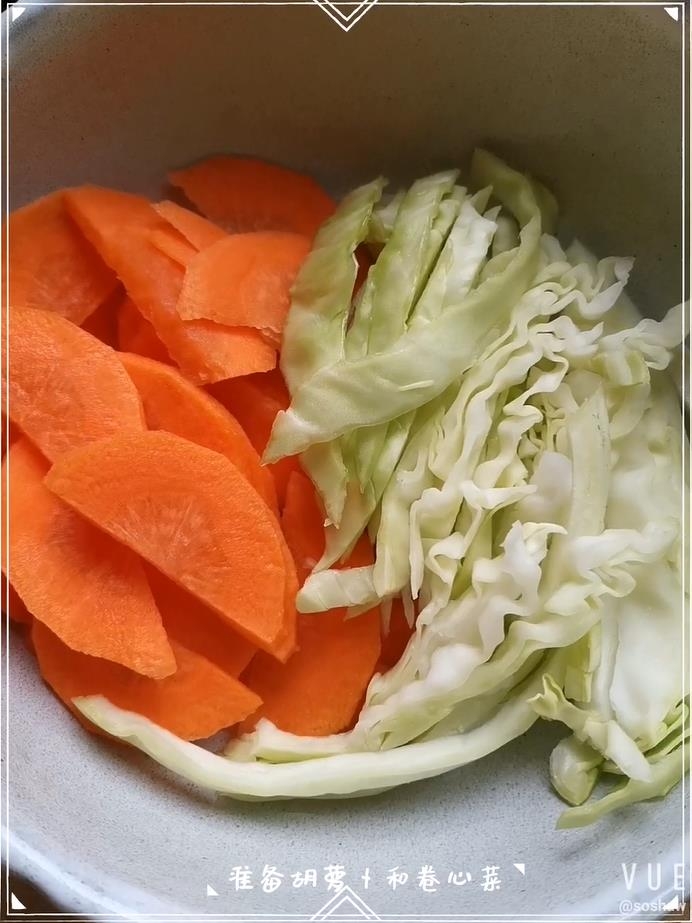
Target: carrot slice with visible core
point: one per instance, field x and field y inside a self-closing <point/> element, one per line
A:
<point x="320" y="689"/>
<point x="88" y="589"/>
<point x="65" y="387"/>
<point x="120" y="226"/>
<point x="242" y="194"/>
<point x="136" y="334"/>
<point x="244" y="280"/>
<point x="173" y="404"/>
<point x="254" y="401"/>
<point x="198" y="700"/>
<point x="188" y="511"/>
<point x="197" y="627"/>
<point x="197" y="230"/>
<point x="52" y="266"/>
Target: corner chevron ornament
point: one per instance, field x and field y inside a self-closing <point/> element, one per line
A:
<point x="346" y="21"/>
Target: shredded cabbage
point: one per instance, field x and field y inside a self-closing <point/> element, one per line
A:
<point x="493" y="410"/>
<point x="422" y="362"/>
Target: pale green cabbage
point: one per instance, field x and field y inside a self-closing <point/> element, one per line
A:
<point x="340" y="397"/>
<point x="316" y="326"/>
<point x="493" y="410"/>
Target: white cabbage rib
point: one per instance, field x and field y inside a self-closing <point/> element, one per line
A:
<point x="338" y="775"/>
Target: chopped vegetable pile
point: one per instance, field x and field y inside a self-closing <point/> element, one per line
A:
<point x="372" y="486"/>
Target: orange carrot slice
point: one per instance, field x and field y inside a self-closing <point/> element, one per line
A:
<point x="254" y="401"/>
<point x="287" y="640"/>
<point x="321" y="687"/>
<point x="65" y="387"/>
<point x="240" y="351"/>
<point x="10" y="600"/>
<point x="189" y="512"/>
<point x="185" y="233"/>
<point x="195" y="702"/>
<point x="173" y="404"/>
<point x="173" y="245"/>
<point x="302" y="521"/>
<point x="195" y="229"/>
<point x="242" y="194"/>
<point x="395" y="640"/>
<point x="244" y="280"/>
<point x="88" y="589"/>
<point x="13" y="605"/>
<point x="52" y="266"/>
<point x="136" y="335"/>
<point x="197" y="627"/>
<point x="120" y="226"/>
<point x="10" y="433"/>
<point x="103" y="323"/>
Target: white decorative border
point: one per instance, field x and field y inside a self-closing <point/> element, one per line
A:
<point x="346" y="22"/>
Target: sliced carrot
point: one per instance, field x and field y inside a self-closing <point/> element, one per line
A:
<point x="16" y="610"/>
<point x="136" y="334"/>
<point x="13" y="605"/>
<point x="173" y="245"/>
<point x="255" y="400"/>
<point x="242" y="194"/>
<point x="88" y="589"/>
<point x="189" y="512"/>
<point x="362" y="554"/>
<point x="10" y="600"/>
<point x="173" y="404"/>
<point x="103" y="323"/>
<point x="197" y="230"/>
<point x="52" y="266"/>
<point x="281" y="472"/>
<point x="287" y="641"/>
<point x="231" y="351"/>
<point x="320" y="689"/>
<point x="195" y="702"/>
<point x="197" y="627"/>
<point x="184" y="234"/>
<point x="302" y="521"/>
<point x="396" y="638"/>
<point x="244" y="280"/>
<point x="65" y="387"/>
<point x="272" y="386"/>
<point x="10" y="433"/>
<point x="120" y="227"/>
<point x="294" y="579"/>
